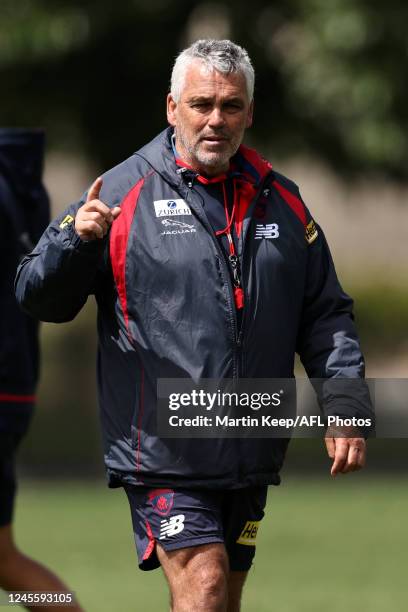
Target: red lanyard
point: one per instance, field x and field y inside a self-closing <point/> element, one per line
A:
<point x="233" y="259"/>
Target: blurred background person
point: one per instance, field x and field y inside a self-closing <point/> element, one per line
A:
<point x="24" y="213"/>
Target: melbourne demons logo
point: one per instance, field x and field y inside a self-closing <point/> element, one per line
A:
<point x="162" y="500"/>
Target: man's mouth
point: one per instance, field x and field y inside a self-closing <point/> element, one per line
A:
<point x="214" y="139"/>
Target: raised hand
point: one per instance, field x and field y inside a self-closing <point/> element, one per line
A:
<point x="94" y="218"/>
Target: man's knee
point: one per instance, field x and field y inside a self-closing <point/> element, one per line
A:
<point x="208" y="585"/>
<point x="199" y="575"/>
<point x="211" y="582"/>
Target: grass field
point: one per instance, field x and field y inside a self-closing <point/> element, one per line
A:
<point x="323" y="545"/>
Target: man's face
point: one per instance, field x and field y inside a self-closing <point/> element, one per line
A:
<point x="210" y="118"/>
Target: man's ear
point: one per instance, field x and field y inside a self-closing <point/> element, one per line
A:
<point x="250" y="115"/>
<point x="171" y="110"/>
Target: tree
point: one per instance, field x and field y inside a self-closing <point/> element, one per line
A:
<point x="330" y="73"/>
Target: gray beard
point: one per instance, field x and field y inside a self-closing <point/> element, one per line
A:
<point x="207" y="159"/>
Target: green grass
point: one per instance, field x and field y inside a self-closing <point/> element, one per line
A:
<point x="323" y="545"/>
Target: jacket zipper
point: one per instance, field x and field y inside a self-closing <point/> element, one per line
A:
<point x="236" y="340"/>
<point x="240" y="340"/>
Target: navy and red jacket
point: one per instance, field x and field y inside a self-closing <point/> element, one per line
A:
<point x="166" y="309"/>
<point x="24" y="215"/>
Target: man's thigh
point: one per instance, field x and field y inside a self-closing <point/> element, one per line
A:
<point x="193" y="564"/>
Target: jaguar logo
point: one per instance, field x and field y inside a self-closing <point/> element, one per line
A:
<point x="174" y="223"/>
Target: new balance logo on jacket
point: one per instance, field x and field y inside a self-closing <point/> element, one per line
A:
<point x="270" y="230"/>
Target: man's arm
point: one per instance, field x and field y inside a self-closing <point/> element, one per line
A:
<point x="54" y="281"/>
<point x="329" y="349"/>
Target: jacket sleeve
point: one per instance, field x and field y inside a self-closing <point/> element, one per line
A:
<point x="53" y="282"/>
<point x="327" y="341"/>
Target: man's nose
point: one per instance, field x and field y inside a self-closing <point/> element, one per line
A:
<point x="216" y="118"/>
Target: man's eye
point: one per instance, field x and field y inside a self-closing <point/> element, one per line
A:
<point x="200" y="105"/>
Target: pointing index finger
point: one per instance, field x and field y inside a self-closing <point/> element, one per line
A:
<point x="95" y="189"/>
<point x="340" y="457"/>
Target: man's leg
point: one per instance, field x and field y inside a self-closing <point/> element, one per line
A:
<point x="197" y="577"/>
<point x="20" y="573"/>
<point x="235" y="585"/>
<point x="242" y="514"/>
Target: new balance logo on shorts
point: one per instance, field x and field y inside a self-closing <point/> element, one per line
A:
<point x="270" y="230"/>
<point x="172" y="526"/>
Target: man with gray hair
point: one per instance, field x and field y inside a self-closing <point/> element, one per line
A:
<point x="205" y="264"/>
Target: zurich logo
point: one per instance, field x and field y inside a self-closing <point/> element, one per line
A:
<point x="172" y="204"/>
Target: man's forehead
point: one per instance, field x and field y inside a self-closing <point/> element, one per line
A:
<point x="202" y="81"/>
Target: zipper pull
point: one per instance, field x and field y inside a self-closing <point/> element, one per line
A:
<point x="188" y="175"/>
<point x="238" y="291"/>
<point x="233" y="259"/>
<point x="239" y="297"/>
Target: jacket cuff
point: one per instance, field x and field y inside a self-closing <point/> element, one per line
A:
<point x="84" y="246"/>
<point x="352" y="415"/>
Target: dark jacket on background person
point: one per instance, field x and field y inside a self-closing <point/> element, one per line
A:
<point x="166" y="309"/>
<point x="24" y="215"/>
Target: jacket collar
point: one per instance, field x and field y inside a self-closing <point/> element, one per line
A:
<point x="246" y="163"/>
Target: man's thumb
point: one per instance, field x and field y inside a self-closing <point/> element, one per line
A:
<point x="116" y="212"/>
